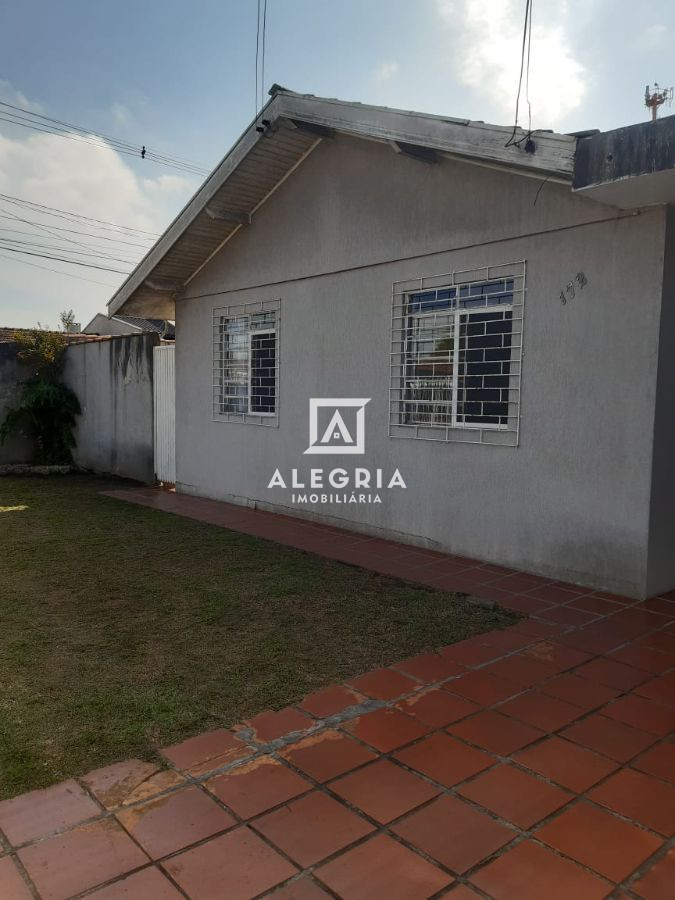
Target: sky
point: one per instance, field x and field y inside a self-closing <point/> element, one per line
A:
<point x="180" y="78"/>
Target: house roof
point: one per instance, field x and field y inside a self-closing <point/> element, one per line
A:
<point x="289" y="127"/>
<point x="7" y="334"/>
<point x="158" y="325"/>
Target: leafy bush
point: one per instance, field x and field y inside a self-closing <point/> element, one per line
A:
<point x="46" y="406"/>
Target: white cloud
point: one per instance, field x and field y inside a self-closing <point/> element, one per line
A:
<point x="386" y="71"/>
<point x="87" y="178"/>
<point x="10" y="95"/>
<point x="485" y="54"/>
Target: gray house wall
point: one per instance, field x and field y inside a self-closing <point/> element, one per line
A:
<point x="17" y="448"/>
<point x="662" y="517"/>
<point x="113" y="382"/>
<point x="573" y="500"/>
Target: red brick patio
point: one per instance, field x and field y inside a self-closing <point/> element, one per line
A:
<point x="534" y="762"/>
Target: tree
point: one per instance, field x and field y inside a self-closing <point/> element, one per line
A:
<point x="67" y="318"/>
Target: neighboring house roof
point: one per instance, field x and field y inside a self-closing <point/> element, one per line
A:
<point x="291" y="125"/>
<point x="158" y="325"/>
<point x="163" y="327"/>
<point x="7" y="334"/>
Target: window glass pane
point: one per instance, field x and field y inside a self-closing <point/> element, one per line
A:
<point x="263" y="372"/>
<point x="429" y="369"/>
<point x="484" y="367"/>
<point x="233" y="379"/>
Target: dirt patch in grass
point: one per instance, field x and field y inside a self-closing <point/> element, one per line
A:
<point x="123" y="629"/>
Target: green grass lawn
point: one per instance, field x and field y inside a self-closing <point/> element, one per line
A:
<point x="123" y="629"/>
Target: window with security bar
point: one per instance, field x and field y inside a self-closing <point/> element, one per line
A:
<point x="246" y="363"/>
<point x="456" y="356"/>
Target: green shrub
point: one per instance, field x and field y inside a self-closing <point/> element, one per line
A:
<point x="47" y="408"/>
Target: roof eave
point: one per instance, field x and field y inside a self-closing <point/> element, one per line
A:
<point x="553" y="157"/>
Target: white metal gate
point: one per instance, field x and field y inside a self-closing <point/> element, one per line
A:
<point x="164" y="380"/>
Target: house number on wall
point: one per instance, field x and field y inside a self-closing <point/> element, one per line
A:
<point x="569" y="291"/>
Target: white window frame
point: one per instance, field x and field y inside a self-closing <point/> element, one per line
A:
<point x="240" y="311"/>
<point x="505" y="434"/>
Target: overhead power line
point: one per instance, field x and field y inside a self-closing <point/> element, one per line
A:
<point x="62" y="259"/>
<point x="16" y="115"/>
<point x="524" y="67"/>
<point x="88" y="234"/>
<point x="64" y="213"/>
<point x="25" y="262"/>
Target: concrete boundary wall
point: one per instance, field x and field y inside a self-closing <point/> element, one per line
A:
<point x="113" y="379"/>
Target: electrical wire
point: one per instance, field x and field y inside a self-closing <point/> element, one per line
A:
<point x="72" y="262"/>
<point x="257" y="51"/>
<point x="15" y="115"/>
<point x="63" y="213"/>
<point x="95" y="237"/>
<point x="524" y="48"/>
<point x="25" y="262"/>
<point x="262" y="74"/>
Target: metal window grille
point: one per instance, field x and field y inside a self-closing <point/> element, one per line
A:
<point x="246" y="363"/>
<point x="456" y="356"/>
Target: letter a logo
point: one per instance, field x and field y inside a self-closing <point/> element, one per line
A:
<point x="336" y="436"/>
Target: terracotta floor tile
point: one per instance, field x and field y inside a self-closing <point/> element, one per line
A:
<point x="571" y="766"/>
<point x="327" y="754"/>
<point x="437" y="707"/>
<point x="639" y="797"/>
<point x="482" y="687"/>
<point x="515" y="796"/>
<point x="386" y="729"/>
<point x="129" y="781"/>
<point x="148" y="884"/>
<point x="12" y="885"/>
<point x="472" y="652"/>
<point x="567" y="615"/>
<point x="239" y="859"/>
<point x="524" y="603"/>
<point x="384" y="684"/>
<point x="559" y="656"/>
<point x="595" y="604"/>
<point x="495" y="732"/>
<point x="382" y="868"/>
<point x="206" y="752"/>
<point x="613" y="674"/>
<point x="383" y="791"/>
<point x="596" y="839"/>
<point x="642" y="713"/>
<point x="454" y="833"/>
<point x="578" y="691"/>
<point x="541" y="710"/>
<point x="659" y="761"/>
<point x="312" y="828"/>
<point x="661" y="688"/>
<point x="520" y="669"/>
<point x="645" y="658"/>
<point x="430" y="667"/>
<point x="594" y="638"/>
<point x="274" y="724"/>
<point x="174" y="821"/>
<point x="462" y="892"/>
<point x="660" y="640"/>
<point x="445" y="760"/>
<point x="657" y="883"/>
<point x="33" y="815"/>
<point x="531" y="872"/>
<point x="72" y="862"/>
<point x="607" y="736"/>
<point x="331" y="701"/>
<point x="300" y="889"/>
<point x="553" y="593"/>
<point x="255" y="787"/>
